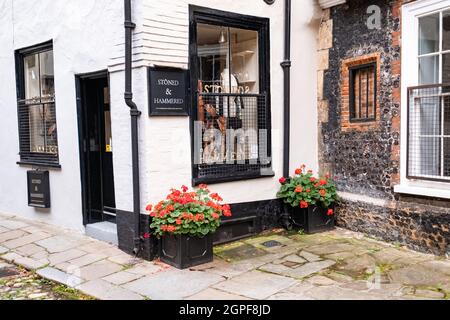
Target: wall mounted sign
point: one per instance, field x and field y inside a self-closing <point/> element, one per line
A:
<point x="167" y="92"/>
<point x="38" y="189"/>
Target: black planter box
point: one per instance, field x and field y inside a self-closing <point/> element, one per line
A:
<point x="185" y="252"/>
<point x="311" y="220"/>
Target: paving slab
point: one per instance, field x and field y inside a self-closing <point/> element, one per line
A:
<point x="3" y="229"/>
<point x="330" y="248"/>
<point x="146" y="268"/>
<point x="57" y="258"/>
<point x="173" y="284"/>
<point x="28" y="239"/>
<point x="59" y="276"/>
<point x="29" y="250"/>
<point x="87" y="259"/>
<point x="310" y="256"/>
<point x="10" y="235"/>
<point x="13" y="224"/>
<point x="215" y="295"/>
<point x="58" y="244"/>
<point x="104" y="290"/>
<point x="418" y="275"/>
<point x="256" y="284"/>
<point x="25" y="262"/>
<point x="440" y="266"/>
<point x="337" y="293"/>
<point x="122" y="277"/>
<point x="296" y="292"/>
<point x="99" y="270"/>
<point x="3" y="250"/>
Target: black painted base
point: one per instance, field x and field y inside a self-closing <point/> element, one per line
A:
<point x="185" y="252"/>
<point x="125" y="233"/>
<point x="311" y="220"/>
<point x="248" y="219"/>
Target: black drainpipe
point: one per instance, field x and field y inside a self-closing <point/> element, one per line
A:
<point x="135" y="114"/>
<point x="286" y="65"/>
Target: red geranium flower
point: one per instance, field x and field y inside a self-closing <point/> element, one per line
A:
<point x="323" y="193"/>
<point x="330" y="212"/>
<point x="147" y="235"/>
<point x="304" y="204"/>
<point x="313" y="179"/>
<point x="216" y="197"/>
<point x="282" y="180"/>
<point x="299" y="189"/>
<point x="215" y="216"/>
<point x="179" y="222"/>
<point x="149" y="208"/>
<point x="185" y="189"/>
<point x="298" y="171"/>
<point x="323" y="182"/>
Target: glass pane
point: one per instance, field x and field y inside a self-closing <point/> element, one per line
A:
<point x="429" y="70"/>
<point x="446" y="30"/>
<point x="43" y="132"/>
<point x="430" y="116"/>
<point x="244" y="61"/>
<point x="31" y="72"/>
<point x="213" y="54"/>
<point x="430" y="156"/>
<point x="446" y="68"/>
<point x="447" y="115"/>
<point x="47" y="74"/>
<point x="429" y="34"/>
<point x="447" y="157"/>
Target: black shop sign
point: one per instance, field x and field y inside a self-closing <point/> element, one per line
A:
<point x="168" y="92"/>
<point x="38" y="189"/>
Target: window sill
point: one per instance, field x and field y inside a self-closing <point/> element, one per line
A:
<point x="423" y="191"/>
<point x="39" y="164"/>
<point x="213" y="180"/>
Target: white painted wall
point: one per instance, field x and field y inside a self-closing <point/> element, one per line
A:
<point x="88" y="36"/>
<point x="167" y="159"/>
<point x="84" y="34"/>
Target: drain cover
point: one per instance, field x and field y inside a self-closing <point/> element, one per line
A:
<point x="8" y="272"/>
<point x="271" y="244"/>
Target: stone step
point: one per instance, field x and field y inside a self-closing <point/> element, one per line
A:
<point x="103" y="231"/>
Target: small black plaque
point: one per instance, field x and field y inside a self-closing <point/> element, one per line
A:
<point x="38" y="189"/>
<point x="167" y="92"/>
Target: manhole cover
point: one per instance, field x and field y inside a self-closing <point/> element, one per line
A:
<point x="271" y="244"/>
<point x="8" y="272"/>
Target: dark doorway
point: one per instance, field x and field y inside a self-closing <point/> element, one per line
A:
<point x="96" y="148"/>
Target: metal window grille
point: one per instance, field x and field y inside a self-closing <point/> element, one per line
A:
<point x="38" y="131"/>
<point x="429" y="132"/>
<point x="37" y="114"/>
<point x="363" y="92"/>
<point x="233" y="135"/>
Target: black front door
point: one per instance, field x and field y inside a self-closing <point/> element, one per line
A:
<point x="96" y="148"/>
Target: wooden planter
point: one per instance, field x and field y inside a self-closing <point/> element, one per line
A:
<point x="185" y="252"/>
<point x="311" y="220"/>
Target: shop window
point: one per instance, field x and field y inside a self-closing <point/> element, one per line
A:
<point x="36" y="106"/>
<point x="231" y="111"/>
<point x="363" y="93"/>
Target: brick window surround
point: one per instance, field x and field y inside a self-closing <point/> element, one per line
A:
<point x="346" y="124"/>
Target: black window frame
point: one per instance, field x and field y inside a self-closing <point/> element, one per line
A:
<point x="210" y="16"/>
<point x="352" y="100"/>
<point x="28" y="158"/>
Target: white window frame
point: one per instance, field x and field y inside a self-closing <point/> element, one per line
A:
<point x="410" y="77"/>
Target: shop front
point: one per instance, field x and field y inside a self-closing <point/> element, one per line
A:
<point x="204" y="104"/>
